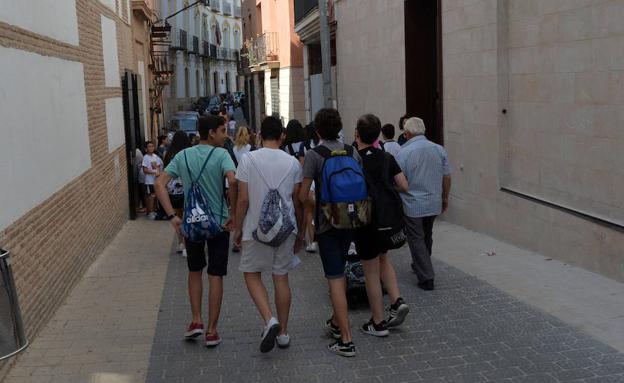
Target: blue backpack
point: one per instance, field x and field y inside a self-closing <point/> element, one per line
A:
<point x="199" y="222"/>
<point x="343" y="197"/>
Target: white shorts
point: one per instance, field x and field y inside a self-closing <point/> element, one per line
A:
<point x="258" y="257"/>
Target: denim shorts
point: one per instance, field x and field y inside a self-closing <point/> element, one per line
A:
<point x="333" y="248"/>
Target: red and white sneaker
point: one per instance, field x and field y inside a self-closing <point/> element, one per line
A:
<point x="212" y="340"/>
<point x="194" y="330"/>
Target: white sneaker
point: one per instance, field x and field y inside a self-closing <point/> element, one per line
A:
<point x="270" y="332"/>
<point x="151" y="215"/>
<point x="184" y="253"/>
<point x="181" y="247"/>
<point x="312" y="247"/>
<point x="283" y="340"/>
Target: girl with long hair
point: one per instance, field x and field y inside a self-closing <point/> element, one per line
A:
<point x="175" y="188"/>
<point x="241" y="143"/>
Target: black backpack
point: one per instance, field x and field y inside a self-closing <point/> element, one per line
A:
<point x="388" y="216"/>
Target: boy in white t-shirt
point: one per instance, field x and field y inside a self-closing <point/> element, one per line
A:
<point x="259" y="172"/>
<point x="152" y="166"/>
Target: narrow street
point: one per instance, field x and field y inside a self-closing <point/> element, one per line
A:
<point x="124" y="323"/>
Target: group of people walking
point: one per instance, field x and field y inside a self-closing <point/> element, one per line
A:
<point x="285" y="193"/>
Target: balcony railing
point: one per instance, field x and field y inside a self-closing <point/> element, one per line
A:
<point x="194" y="48"/>
<point x="178" y="39"/>
<point x="263" y="48"/>
<point x="223" y="54"/>
<point x="215" y="5"/>
<point x="227" y="8"/>
<point x="237" y="11"/>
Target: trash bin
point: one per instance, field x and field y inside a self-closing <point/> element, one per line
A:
<point x="12" y="336"/>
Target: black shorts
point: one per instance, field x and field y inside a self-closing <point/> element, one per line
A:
<point x="367" y="244"/>
<point x="149" y="189"/>
<point x="218" y="252"/>
<point x="177" y="201"/>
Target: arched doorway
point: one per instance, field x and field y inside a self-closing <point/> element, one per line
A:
<point x="215" y="82"/>
<point x="227" y="82"/>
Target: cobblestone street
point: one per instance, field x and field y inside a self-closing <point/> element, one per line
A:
<point x="464" y="331"/>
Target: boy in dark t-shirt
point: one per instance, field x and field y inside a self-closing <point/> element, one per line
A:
<point x="370" y="248"/>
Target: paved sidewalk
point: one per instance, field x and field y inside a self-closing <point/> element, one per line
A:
<point x="124" y="323"/>
<point x="585" y="300"/>
<point x="464" y="331"/>
<point x="104" y="331"/>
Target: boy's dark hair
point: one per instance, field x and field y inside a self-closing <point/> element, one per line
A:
<point x="388" y="131"/>
<point x="402" y="121"/>
<point x="148" y="142"/>
<point x="294" y="132"/>
<point x="310" y="133"/>
<point x="368" y="127"/>
<point x="208" y="123"/>
<point x="271" y="129"/>
<point x="328" y="123"/>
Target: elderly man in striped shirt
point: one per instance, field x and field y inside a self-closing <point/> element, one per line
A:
<point x="426" y="166"/>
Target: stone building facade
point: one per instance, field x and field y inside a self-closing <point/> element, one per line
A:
<point x="526" y="96"/>
<point x="272" y="62"/>
<point x="206" y="43"/>
<point x="64" y="194"/>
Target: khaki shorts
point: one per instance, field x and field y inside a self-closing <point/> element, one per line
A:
<point x="258" y="257"/>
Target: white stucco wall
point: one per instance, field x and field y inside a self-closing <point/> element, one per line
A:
<point x="109" y="3"/>
<point x="110" y="53"/>
<point x="145" y="94"/>
<point x="52" y="18"/>
<point x="45" y="140"/>
<point x="114" y="123"/>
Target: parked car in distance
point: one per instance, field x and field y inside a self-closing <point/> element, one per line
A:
<point x="187" y="121"/>
<point x="213" y="105"/>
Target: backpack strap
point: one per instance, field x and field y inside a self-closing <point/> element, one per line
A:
<point x="323" y="151"/>
<point x="188" y="169"/>
<point x="291" y="150"/>
<point x="264" y="179"/>
<point x="349" y="150"/>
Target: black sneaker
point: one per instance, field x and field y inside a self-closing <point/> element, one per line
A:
<point x="342" y="349"/>
<point x="398" y="312"/>
<point x="371" y="328"/>
<point x="333" y="330"/>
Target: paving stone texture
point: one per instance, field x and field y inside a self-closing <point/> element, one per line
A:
<point x="464" y="331"/>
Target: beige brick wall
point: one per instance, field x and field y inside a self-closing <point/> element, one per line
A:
<point x="480" y="78"/>
<point x="542" y="61"/>
<point x="54" y="243"/>
<point x="370" y="61"/>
